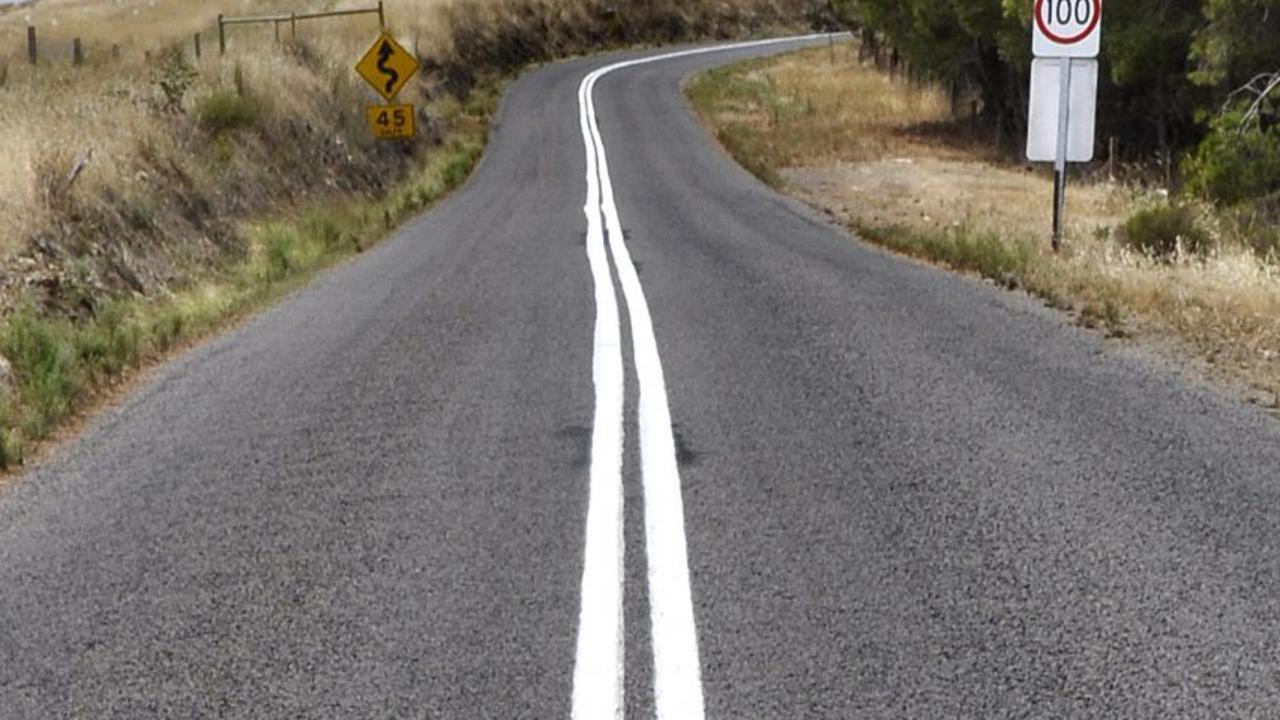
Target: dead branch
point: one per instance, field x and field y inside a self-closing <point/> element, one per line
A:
<point x="1258" y="88"/>
<point x="80" y="166"/>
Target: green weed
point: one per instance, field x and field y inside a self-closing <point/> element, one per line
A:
<point x="961" y="248"/>
<point x="226" y="110"/>
<point x="1165" y="230"/>
<point x="737" y="140"/>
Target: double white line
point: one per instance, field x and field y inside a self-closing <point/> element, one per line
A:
<point x="599" y="671"/>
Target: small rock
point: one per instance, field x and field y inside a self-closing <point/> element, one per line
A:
<point x="6" y="375"/>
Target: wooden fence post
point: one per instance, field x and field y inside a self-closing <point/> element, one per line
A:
<point x="293" y="26"/>
<point x="32" y="55"/>
<point x="1111" y="158"/>
<point x="115" y="51"/>
<point x="222" y="37"/>
<point x="196" y="37"/>
<point x="77" y="52"/>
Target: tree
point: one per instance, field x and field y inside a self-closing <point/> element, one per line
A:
<point x="1146" y="96"/>
<point x="1240" y="40"/>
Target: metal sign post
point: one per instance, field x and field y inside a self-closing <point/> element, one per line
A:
<point x="1060" y="156"/>
<point x="1067" y="35"/>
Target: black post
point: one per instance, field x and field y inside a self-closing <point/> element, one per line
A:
<point x="222" y="37"/>
<point x="293" y="26"/>
<point x="1059" y="195"/>
<point x="196" y="37"/>
<point x="77" y="53"/>
<point x="32" y="55"/>
<point x="1111" y="159"/>
<point x="382" y="16"/>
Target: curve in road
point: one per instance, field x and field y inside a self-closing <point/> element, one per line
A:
<point x="885" y="491"/>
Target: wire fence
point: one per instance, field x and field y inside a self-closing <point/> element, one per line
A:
<point x="39" y="51"/>
<point x="292" y="20"/>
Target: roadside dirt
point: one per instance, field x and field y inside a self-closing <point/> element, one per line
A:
<point x="937" y="193"/>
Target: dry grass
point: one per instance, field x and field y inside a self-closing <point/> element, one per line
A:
<point x="849" y="141"/>
<point x="161" y="237"/>
<point x="801" y="110"/>
<point x="139" y="25"/>
<point x="55" y="114"/>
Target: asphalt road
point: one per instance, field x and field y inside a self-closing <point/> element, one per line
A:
<point x="487" y="471"/>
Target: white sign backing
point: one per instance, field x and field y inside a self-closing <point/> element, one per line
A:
<point x="1042" y="126"/>
<point x="1067" y="28"/>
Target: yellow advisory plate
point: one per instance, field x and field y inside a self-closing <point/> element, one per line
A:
<point x="387" y="66"/>
<point x="392" y="121"/>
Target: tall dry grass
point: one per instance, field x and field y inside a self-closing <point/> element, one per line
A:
<point x="809" y="108"/>
<point x="147" y="197"/>
<point x="118" y="109"/>
<point x="55" y="113"/>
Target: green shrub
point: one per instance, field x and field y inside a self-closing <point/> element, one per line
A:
<point x="278" y="244"/>
<point x="736" y="140"/>
<point x="10" y="446"/>
<point x="174" y="78"/>
<point x="458" y="170"/>
<point x="168" y="328"/>
<point x="110" y="342"/>
<point x="1162" y="230"/>
<point x="1232" y="165"/>
<point x="1255" y="225"/>
<point x="322" y="225"/>
<point x="46" y="367"/>
<point x="225" y="110"/>
<point x="1264" y="241"/>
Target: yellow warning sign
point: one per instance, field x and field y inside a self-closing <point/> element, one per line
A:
<point x="392" y="121"/>
<point x="387" y="66"/>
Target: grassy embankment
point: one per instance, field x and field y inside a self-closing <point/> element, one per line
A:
<point x="58" y="362"/>
<point x="207" y="188"/>
<point x="889" y="160"/>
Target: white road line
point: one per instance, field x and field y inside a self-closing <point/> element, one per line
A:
<point x="598" y="673"/>
<point x="597" y="689"/>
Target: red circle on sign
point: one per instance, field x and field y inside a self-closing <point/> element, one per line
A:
<point x="1072" y="40"/>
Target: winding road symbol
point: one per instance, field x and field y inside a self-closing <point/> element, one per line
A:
<point x="385" y="53"/>
<point x="387" y="66"/>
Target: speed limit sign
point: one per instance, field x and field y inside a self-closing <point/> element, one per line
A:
<point x="1067" y="35"/>
<point x="1067" y="28"/>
